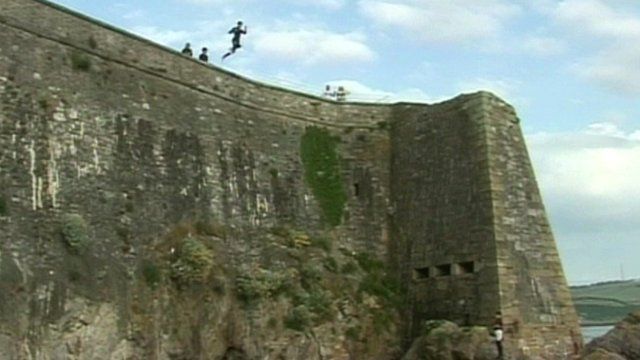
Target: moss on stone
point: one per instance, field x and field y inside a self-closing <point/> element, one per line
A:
<point x="75" y="232"/>
<point x="322" y="172"/>
<point x="80" y="61"/>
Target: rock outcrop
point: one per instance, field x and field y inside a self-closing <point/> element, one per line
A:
<point x="622" y="342"/>
<point x="444" y="340"/>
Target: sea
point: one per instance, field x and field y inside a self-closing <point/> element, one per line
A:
<point x="591" y="332"/>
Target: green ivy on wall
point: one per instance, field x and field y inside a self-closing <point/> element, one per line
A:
<point x="322" y="172"/>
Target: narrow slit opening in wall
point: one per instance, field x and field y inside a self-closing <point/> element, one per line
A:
<point x="467" y="267"/>
<point x="443" y="270"/>
<point x="421" y="273"/>
<point x="356" y="189"/>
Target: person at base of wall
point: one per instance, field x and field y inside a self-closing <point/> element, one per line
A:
<point x="498" y="336"/>
<point x="203" y="55"/>
<point x="187" y="50"/>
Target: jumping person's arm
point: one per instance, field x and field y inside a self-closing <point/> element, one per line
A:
<point x="245" y="29"/>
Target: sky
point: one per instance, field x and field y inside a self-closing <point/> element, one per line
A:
<point x="570" y="67"/>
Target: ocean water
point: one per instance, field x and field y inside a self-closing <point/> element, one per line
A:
<point x="591" y="332"/>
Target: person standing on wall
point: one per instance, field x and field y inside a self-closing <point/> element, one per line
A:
<point x="187" y="50"/>
<point x="203" y="55"/>
<point x="237" y="31"/>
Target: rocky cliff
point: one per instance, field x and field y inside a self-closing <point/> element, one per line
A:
<point x="622" y="342"/>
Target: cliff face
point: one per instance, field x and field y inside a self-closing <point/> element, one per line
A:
<point x="155" y="207"/>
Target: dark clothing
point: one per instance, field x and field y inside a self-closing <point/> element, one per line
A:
<point x="203" y="57"/>
<point x="500" y="351"/>
<point x="237" y="31"/>
<point x="187" y="51"/>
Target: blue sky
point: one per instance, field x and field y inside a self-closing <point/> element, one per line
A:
<point x="571" y="68"/>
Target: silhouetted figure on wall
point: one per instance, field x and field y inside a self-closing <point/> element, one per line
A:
<point x="341" y="94"/>
<point x="237" y="31"/>
<point x="328" y="93"/>
<point x="187" y="50"/>
<point x="203" y="55"/>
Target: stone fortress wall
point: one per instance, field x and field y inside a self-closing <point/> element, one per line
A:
<point x="136" y="138"/>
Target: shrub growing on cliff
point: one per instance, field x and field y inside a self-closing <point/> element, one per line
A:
<point x="193" y="262"/>
<point x="151" y="273"/>
<point x="75" y="232"/>
<point x="322" y="172"/>
<point x="299" y="318"/>
<point x="265" y="284"/>
<point x="80" y="61"/>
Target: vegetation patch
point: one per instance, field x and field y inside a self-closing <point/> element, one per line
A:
<point x="349" y="267"/>
<point x="251" y="288"/>
<point x="369" y="263"/>
<point x="92" y="42"/>
<point x="299" y="318"/>
<point x="80" y="61"/>
<point x="322" y="172"/>
<point x="322" y="242"/>
<point x="211" y="227"/>
<point x="75" y="232"/>
<point x="151" y="273"/>
<point x="193" y="262"/>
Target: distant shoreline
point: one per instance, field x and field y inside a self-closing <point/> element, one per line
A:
<point x="594" y="324"/>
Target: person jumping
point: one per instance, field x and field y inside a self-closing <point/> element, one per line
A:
<point x="237" y="31"/>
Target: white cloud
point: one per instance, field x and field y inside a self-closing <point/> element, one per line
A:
<point x="442" y="21"/>
<point x="598" y="18"/>
<point x="313" y="46"/>
<point x="329" y="4"/>
<point x="601" y="163"/>
<point x="205" y="2"/>
<point x="616" y="67"/>
<point x="504" y="88"/>
<point x="615" y="30"/>
<point x="589" y="180"/>
<point x="134" y="14"/>
<point x="161" y="36"/>
<point x="543" y="45"/>
<point x="361" y="92"/>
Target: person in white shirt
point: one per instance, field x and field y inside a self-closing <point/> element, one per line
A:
<point x="498" y="335"/>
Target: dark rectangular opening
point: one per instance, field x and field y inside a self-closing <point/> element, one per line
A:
<point x="467" y="267"/>
<point x="443" y="270"/>
<point x="421" y="273"/>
